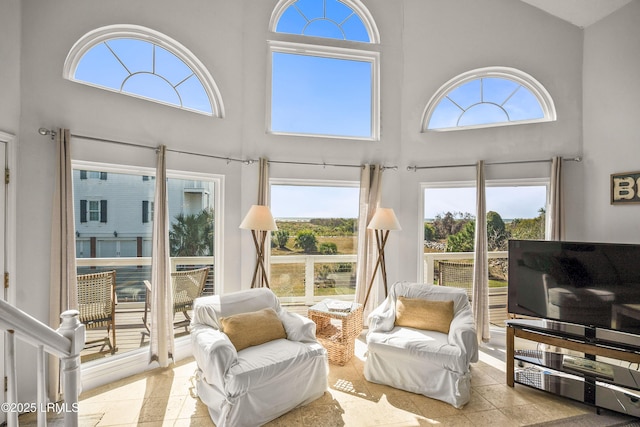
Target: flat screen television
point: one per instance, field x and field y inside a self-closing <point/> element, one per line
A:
<point x="596" y="285"/>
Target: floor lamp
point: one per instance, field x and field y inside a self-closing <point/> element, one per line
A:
<point x="260" y="221"/>
<point x="384" y="220"/>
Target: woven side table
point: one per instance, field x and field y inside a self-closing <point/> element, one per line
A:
<point x="339" y="340"/>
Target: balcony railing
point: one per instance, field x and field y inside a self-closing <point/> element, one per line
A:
<point x="497" y="294"/>
<point x="131" y="272"/>
<point x="431" y="258"/>
<point x="306" y="279"/>
<point x="296" y="279"/>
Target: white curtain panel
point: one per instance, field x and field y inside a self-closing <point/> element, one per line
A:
<point x="63" y="294"/>
<point x="555" y="217"/>
<point x="480" y="299"/>
<point x="161" y="344"/>
<point x="370" y="184"/>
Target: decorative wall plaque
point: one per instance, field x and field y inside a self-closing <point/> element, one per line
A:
<point x="625" y="188"/>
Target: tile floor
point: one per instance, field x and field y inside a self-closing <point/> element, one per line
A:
<point x="166" y="397"/>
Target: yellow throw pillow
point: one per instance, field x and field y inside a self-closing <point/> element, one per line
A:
<point x="253" y="328"/>
<point x="424" y="314"/>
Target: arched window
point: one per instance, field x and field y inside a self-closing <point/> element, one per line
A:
<point x="335" y="19"/>
<point x="488" y="97"/>
<point x="140" y="62"/>
<point x="319" y="89"/>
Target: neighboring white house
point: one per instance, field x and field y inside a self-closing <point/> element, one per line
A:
<point x="114" y="211"/>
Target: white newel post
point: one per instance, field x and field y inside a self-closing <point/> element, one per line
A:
<point x="11" y="373"/>
<point x="74" y="330"/>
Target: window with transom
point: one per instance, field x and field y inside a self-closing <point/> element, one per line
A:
<point x="319" y="88"/>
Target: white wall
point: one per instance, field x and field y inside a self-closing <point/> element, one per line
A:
<point x="611" y="129"/>
<point x="10" y="70"/>
<point x="424" y="44"/>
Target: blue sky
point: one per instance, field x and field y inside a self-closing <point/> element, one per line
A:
<point x="292" y="201"/>
<point x="509" y="202"/>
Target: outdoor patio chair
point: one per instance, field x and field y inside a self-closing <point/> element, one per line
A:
<point x="97" y="305"/>
<point x="187" y="286"/>
<point x="456" y="275"/>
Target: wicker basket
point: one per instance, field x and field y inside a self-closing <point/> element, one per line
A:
<point x="338" y="340"/>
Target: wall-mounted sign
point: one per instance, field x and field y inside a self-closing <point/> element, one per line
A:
<point x="625" y="188"/>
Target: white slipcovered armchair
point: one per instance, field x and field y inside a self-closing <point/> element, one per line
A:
<point x="434" y="364"/>
<point x="257" y="384"/>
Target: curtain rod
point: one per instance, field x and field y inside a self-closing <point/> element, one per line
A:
<point x="44" y="131"/>
<point x="517" y="162"/>
<point x="324" y="164"/>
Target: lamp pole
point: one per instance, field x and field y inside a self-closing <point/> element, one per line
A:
<point x="260" y="272"/>
<point x="383" y="221"/>
<point x="381" y="241"/>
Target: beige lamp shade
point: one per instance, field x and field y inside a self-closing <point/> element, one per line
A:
<point x="259" y="218"/>
<point x="384" y="219"/>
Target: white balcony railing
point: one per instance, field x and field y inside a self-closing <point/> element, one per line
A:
<point x="289" y="289"/>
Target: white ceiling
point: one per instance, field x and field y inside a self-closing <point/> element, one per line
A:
<point x="581" y="13"/>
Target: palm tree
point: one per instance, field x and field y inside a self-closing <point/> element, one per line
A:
<point x="192" y="235"/>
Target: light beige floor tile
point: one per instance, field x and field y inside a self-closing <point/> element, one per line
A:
<point x="165" y="397"/>
<point x="321" y="416"/>
<point x="194" y="422"/>
<point x="493" y="418"/>
<point x="476" y="404"/>
<point x="193" y="408"/>
<point x="122" y="412"/>
<point x="160" y="408"/>
<point x="501" y="395"/>
<point x="480" y="376"/>
<point x="526" y="414"/>
<point x="452" y="421"/>
<point x="432" y="408"/>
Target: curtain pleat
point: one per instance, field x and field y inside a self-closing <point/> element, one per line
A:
<point x="263" y="182"/>
<point x="556" y="202"/>
<point x="161" y="345"/>
<point x="63" y="294"/>
<point x="370" y="185"/>
<point x="480" y="298"/>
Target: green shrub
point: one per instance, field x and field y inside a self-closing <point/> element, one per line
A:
<point x="328" y="248"/>
<point x="307" y="241"/>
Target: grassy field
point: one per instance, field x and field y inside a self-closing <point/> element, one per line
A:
<point x="346" y="245"/>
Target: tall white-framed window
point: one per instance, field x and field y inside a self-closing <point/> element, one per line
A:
<point x="144" y="63"/>
<point x="488" y="97"/>
<point x="124" y="242"/>
<point x="515" y="209"/>
<point x="324" y="70"/>
<point x="313" y="253"/>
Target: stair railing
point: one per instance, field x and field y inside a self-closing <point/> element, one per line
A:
<point x="65" y="343"/>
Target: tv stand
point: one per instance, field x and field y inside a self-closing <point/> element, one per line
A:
<point x="583" y="377"/>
